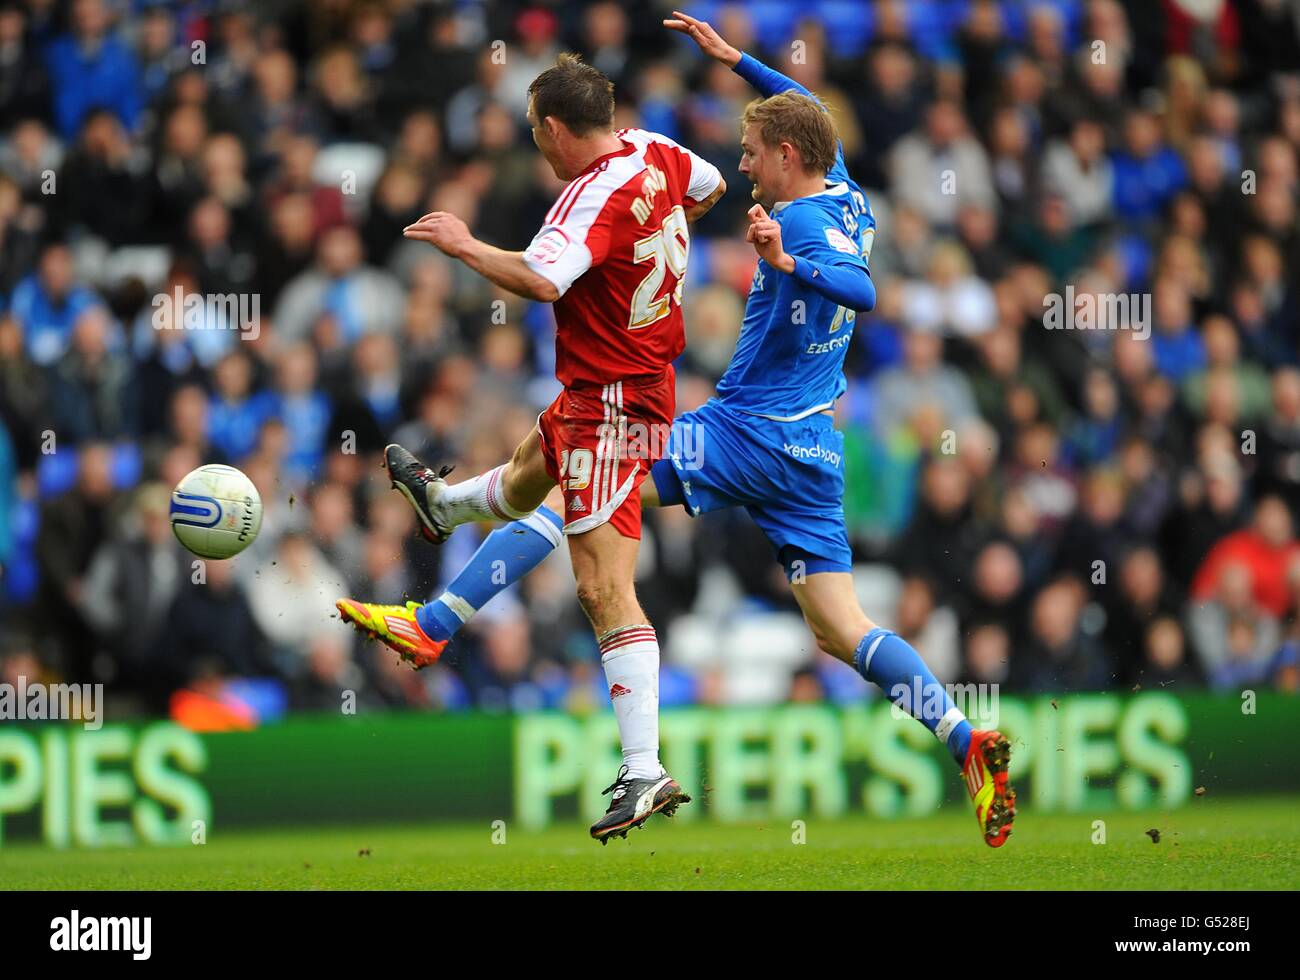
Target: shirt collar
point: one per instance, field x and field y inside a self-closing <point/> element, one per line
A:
<point x="599" y="162"/>
<point x="832" y="190"/>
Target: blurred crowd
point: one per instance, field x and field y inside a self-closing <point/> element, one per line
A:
<point x="1051" y="509"/>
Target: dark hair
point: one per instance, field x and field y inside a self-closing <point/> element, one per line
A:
<point x="576" y="94"/>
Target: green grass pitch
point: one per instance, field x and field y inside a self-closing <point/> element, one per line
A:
<point x="1211" y="844"/>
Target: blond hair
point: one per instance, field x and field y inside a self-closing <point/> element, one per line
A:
<point x="800" y="121"/>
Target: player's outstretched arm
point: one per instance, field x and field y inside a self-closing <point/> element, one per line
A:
<point x="452" y="237"/>
<point x="767" y="80"/>
<point x="703" y="34"/>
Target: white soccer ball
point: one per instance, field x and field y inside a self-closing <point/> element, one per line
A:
<point x="216" y="511"/>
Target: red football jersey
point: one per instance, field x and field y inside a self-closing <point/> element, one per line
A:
<point x="615" y="245"/>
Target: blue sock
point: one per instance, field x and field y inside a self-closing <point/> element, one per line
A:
<point x="505" y="556"/>
<point x="887" y="660"/>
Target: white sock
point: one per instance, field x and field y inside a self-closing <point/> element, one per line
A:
<point x="480" y="498"/>
<point x="630" y="656"/>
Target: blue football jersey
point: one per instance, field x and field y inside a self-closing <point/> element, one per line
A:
<point x="789" y="358"/>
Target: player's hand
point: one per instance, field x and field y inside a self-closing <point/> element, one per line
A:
<point x="703" y="34"/>
<point x="765" y="235"/>
<point x="444" y="231"/>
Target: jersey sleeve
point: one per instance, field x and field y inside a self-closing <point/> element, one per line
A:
<point x="771" y="82"/>
<point x="767" y="80"/>
<point x="558" y="255"/>
<point x="704" y="177"/>
<point x="827" y="259"/>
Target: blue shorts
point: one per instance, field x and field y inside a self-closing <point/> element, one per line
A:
<point x="789" y="476"/>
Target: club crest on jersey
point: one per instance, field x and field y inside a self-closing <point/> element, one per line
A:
<point x="548" y="248"/>
<point x="840" y="241"/>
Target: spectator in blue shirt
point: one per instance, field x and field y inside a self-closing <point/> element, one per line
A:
<point x="161" y="56"/>
<point x="1095" y="437"/>
<point x="237" y="412"/>
<point x="47" y="303"/>
<point x="90" y="68"/>
<point x="1177" y="345"/>
<point x="1148" y="172"/>
<point x="304" y="410"/>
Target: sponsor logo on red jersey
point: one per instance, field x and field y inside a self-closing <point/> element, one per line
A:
<point x="549" y="247"/>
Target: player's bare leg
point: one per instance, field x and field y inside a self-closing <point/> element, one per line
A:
<point x="649" y="494"/>
<point x="603" y="564"/>
<point x="507" y="492"/>
<point x="830" y="607"/>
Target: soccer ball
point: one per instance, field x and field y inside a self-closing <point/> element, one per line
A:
<point x="216" y="511"/>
